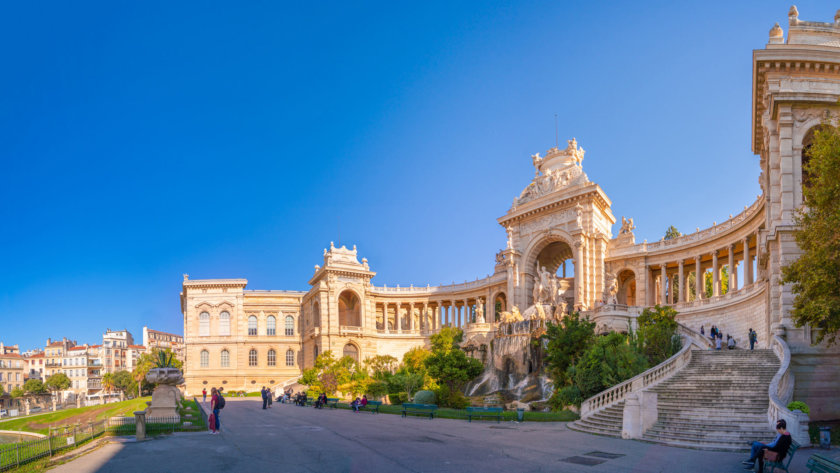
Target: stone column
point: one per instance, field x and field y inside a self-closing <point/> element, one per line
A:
<point x="398" y="319"/>
<point x="140" y="425"/>
<point x="663" y="282"/>
<point x="699" y="280"/>
<point x="715" y="274"/>
<point x="385" y="316"/>
<point x="424" y="324"/>
<point x="748" y="275"/>
<point x="411" y="316"/>
<point x="733" y="271"/>
<point x="579" y="274"/>
<point x="683" y="294"/>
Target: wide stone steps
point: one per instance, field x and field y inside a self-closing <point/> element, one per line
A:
<point x="717" y="402"/>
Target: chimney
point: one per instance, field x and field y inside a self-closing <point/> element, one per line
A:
<point x="49" y="340"/>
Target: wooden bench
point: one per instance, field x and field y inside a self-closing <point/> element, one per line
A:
<point x="373" y="406"/>
<point x="820" y="464"/>
<point x="785" y="463"/>
<point x="481" y="412"/>
<point x="332" y="402"/>
<point x="421" y="409"/>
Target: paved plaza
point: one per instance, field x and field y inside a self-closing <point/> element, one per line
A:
<point x="288" y="438"/>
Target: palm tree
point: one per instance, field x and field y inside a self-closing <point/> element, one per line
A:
<point x="107" y="385"/>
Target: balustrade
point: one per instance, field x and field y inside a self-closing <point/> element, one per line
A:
<point x="781" y="393"/>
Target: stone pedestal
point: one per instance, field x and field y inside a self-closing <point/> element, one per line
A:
<point x="140" y="424"/>
<point x="640" y="413"/>
<point x="165" y="400"/>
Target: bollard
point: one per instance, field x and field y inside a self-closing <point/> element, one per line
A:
<point x="140" y="424"/>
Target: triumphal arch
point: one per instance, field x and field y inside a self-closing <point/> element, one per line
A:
<point x="563" y="251"/>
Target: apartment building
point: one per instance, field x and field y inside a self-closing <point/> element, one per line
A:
<point x="11" y="367"/>
<point x="54" y="352"/>
<point x="33" y="364"/>
<point x="115" y="349"/>
<point x="156" y="339"/>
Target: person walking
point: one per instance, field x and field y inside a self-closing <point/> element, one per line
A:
<point x="216" y="404"/>
<point x="204" y="395"/>
<point x="264" y="397"/>
<point x="270" y="397"/>
<point x="753" y="338"/>
<point x="701" y="331"/>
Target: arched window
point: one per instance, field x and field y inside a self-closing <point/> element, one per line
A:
<point x="252" y="357"/>
<point x="225" y="359"/>
<point x="205" y="359"/>
<point x="351" y="351"/>
<point x="272" y="357"/>
<point x="224" y="323"/>
<point x="349" y="309"/>
<point x="316" y="314"/>
<point x="290" y="325"/>
<point x="290" y="357"/>
<point x="204" y="324"/>
<point x="252" y="325"/>
<point x="271" y="325"/>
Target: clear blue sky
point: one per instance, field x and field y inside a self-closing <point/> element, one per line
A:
<point x="140" y="141"/>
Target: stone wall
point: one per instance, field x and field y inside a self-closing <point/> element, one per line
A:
<point x="733" y="315"/>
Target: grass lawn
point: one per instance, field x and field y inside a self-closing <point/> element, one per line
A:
<point x="41" y="423"/>
<point x="447" y="413"/>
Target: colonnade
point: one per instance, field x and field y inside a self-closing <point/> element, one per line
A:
<point x="432" y="315"/>
<point x="668" y="281"/>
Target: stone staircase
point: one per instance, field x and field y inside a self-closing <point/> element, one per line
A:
<point x="718" y="401"/>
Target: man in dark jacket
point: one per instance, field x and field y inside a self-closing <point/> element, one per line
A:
<point x="780" y="445"/>
<point x="264" y="395"/>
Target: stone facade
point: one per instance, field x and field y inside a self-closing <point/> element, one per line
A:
<point x="561" y="251"/>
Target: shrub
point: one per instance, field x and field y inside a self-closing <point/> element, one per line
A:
<point x="424" y="397"/>
<point x="567" y="396"/>
<point x="799" y="405"/>
<point x="451" y="398"/>
<point x="398" y="398"/>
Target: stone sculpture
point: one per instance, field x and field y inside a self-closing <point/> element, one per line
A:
<point x="479" y="310"/>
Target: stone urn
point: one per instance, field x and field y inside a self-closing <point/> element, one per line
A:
<point x="166" y="395"/>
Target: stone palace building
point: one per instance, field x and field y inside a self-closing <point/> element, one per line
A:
<point x="561" y="250"/>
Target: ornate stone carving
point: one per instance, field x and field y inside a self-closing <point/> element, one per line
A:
<point x="545" y="223"/>
<point x="610" y="289"/>
<point x="557" y="170"/>
<point x="626" y="226"/>
<point x="479" y="310"/>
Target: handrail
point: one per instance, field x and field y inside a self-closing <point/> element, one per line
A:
<point x="284" y="384"/>
<point x="646" y="379"/>
<point x="780" y="393"/>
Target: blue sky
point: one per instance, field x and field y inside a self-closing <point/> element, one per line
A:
<point x="141" y="141"/>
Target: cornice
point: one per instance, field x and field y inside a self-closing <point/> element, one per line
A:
<point x="215" y="283"/>
<point x="788" y="59"/>
<point x="590" y="191"/>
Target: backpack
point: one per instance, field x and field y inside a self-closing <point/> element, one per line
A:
<point x="220" y="403"/>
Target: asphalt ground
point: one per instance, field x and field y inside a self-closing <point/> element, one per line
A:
<point x="288" y="438"/>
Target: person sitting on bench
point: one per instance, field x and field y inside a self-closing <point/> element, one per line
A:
<point x="780" y="445"/>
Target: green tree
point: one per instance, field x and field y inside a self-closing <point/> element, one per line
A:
<point x="124" y="382"/>
<point x="381" y="366"/>
<point x="657" y="338"/>
<point x="57" y="382"/>
<point x="107" y="385"/>
<point x="672" y="232"/>
<point x="34" y="386"/>
<point x="450" y="366"/>
<point x="610" y="361"/>
<point x="18" y="392"/>
<point x="815" y="276"/>
<point x="724" y="281"/>
<point x="153" y="359"/>
<point x="2" y="391"/>
<point x="565" y="343"/>
<point x="329" y="375"/>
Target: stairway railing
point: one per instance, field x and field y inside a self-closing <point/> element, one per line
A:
<point x="649" y="378"/>
<point x="781" y="393"/>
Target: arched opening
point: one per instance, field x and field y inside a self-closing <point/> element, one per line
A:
<point x="290" y="325"/>
<point x="316" y="314"/>
<point x="351" y="351"/>
<point x="499" y="306"/>
<point x="805" y="157"/>
<point x="349" y="309"/>
<point x="626" y="288"/>
<point x="271" y="325"/>
<point x="557" y="260"/>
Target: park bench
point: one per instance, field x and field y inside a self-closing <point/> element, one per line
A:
<point x="332" y="402"/>
<point x="785" y="463"/>
<point x="373" y="406"/>
<point x="481" y="412"/>
<point x="421" y="409"/>
<point x="820" y="464"/>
